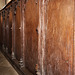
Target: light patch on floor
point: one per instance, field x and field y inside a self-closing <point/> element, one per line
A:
<point x="5" y="67"/>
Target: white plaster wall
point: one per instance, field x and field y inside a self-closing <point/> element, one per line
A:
<point x="2" y="4"/>
<point x="8" y="1"/>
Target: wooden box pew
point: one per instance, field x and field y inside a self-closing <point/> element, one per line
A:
<point x="41" y="36"/>
<point x="31" y="22"/>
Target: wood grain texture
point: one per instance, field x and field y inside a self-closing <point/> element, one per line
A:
<point x="18" y="34"/>
<point x="1" y="30"/>
<point x="10" y="32"/>
<point x="41" y="35"/>
<point x="59" y="37"/>
<point x="31" y="36"/>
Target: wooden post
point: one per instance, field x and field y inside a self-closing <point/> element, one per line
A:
<point x="3" y="28"/>
<point x="7" y="30"/>
<point x="0" y="30"/>
<point x="41" y="38"/>
<point x="22" y="9"/>
<point x="13" y="29"/>
<point x="5" y="36"/>
<point x="74" y="42"/>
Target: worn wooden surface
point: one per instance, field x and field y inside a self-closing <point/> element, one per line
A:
<point x="0" y="28"/>
<point x="10" y="31"/>
<point x="1" y="31"/>
<point x="18" y="34"/>
<point x="59" y="37"/>
<point x="40" y="35"/>
<point x="31" y="35"/>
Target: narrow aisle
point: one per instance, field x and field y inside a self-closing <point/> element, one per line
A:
<point x="5" y="66"/>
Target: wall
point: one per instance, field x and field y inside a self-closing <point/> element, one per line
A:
<point x="7" y="1"/>
<point x="2" y="4"/>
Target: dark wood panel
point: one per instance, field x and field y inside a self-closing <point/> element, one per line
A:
<point x="10" y="32"/>
<point x="31" y="36"/>
<point x="5" y="29"/>
<point x="18" y="33"/>
<point x="1" y="29"/>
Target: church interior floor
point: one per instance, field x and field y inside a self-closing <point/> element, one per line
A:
<point x="5" y="66"/>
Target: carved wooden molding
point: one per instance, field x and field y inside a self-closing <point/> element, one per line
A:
<point x="13" y="29"/>
<point x="8" y="11"/>
<point x="41" y="38"/>
<point x="22" y="9"/>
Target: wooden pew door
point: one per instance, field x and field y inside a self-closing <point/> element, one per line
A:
<point x="31" y="34"/>
<point x="18" y="33"/>
<point x="59" y="37"/>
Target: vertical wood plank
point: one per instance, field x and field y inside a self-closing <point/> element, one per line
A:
<point x="74" y="42"/>
<point x="59" y="37"/>
<point x="22" y="7"/>
<point x="41" y="38"/>
<point x="3" y="16"/>
<point x="7" y="30"/>
<point x="13" y="30"/>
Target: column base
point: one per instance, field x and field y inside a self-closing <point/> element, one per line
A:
<point x="13" y="56"/>
<point x="21" y="64"/>
<point x="38" y="73"/>
<point x="3" y="47"/>
<point x="37" y="70"/>
<point x="6" y="50"/>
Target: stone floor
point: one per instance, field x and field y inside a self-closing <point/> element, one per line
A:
<point x="5" y="67"/>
